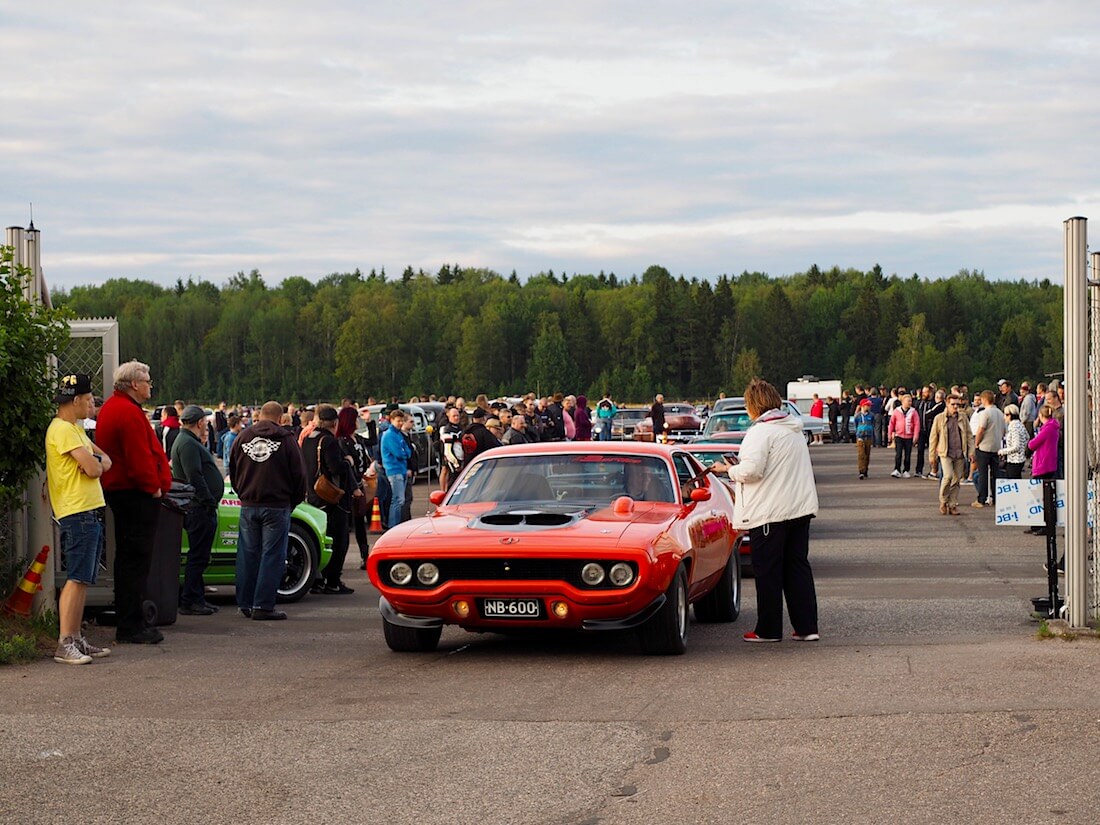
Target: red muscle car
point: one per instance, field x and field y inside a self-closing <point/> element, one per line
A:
<point x="565" y="536"/>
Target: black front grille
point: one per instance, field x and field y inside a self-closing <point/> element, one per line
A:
<point x="493" y="569"/>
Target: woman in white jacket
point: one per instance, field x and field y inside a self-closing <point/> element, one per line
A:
<point x="776" y="498"/>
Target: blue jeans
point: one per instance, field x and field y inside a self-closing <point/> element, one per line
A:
<point x="605" y="428"/>
<point x="261" y="555"/>
<point x="82" y="544"/>
<point x="398" y="481"/>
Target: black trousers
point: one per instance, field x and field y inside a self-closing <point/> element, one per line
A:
<point x="781" y="566"/>
<point x="903" y="453"/>
<point x="986" y="483"/>
<point x="201" y="523"/>
<point x="136" y="515"/>
<point x="922" y="448"/>
<point x="338" y="529"/>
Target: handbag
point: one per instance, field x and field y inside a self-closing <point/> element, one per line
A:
<point x="325" y="489"/>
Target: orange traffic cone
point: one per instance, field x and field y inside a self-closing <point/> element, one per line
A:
<point x="19" y="602"/>
<point x="376" y="516"/>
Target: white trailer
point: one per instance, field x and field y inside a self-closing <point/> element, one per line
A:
<point x="801" y="392"/>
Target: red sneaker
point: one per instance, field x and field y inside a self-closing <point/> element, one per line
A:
<point x="752" y="637"/>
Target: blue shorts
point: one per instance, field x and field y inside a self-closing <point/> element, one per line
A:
<point x="82" y="536"/>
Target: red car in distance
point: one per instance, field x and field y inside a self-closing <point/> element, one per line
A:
<point x="580" y="536"/>
<point x="682" y="423"/>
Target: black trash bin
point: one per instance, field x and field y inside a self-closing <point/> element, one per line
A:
<point x="161" y="595"/>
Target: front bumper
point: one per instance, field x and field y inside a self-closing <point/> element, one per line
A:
<point x="581" y="616"/>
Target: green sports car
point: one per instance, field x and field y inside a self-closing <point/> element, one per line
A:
<point x="307" y="552"/>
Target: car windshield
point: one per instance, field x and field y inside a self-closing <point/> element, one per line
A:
<point x="582" y="479"/>
<point x="727" y="422"/>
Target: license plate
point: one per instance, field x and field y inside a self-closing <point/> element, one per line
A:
<point x="511" y="608"/>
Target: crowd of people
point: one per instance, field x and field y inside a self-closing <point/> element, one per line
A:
<point x="971" y="440"/>
<point x="339" y="459"/>
<point x="342" y="459"/>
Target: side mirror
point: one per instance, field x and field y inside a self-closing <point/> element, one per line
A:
<point x="436" y="497"/>
<point x="700" y="494"/>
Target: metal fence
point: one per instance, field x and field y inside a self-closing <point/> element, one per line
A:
<point x="13" y="549"/>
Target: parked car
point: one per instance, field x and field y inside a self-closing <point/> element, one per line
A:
<point x="308" y="549"/>
<point x="728" y="426"/>
<point x="625" y="420"/>
<point x="682" y="420"/>
<point x="565" y="536"/>
<point x="427" y="455"/>
<point x="811" y="425"/>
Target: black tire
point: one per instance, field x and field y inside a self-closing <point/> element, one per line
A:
<point x="150" y="612"/>
<point x="665" y="634"/>
<point x="723" y="603"/>
<point x="303" y="557"/>
<point x="411" y="639"/>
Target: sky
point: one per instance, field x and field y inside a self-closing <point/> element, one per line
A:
<point x="199" y="139"/>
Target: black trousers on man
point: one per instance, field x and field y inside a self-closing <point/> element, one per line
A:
<point x="922" y="449"/>
<point x="136" y="515"/>
<point x="781" y="568"/>
<point x="338" y="529"/>
<point x="201" y="523"/>
<point x="903" y="453"/>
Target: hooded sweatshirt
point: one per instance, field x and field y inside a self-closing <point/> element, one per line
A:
<point x="265" y="466"/>
<point x="582" y="419"/>
<point x="774" y="476"/>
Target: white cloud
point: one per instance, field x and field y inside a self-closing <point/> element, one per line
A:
<point x="207" y="138"/>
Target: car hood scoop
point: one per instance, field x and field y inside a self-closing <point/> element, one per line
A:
<point x="528" y="518"/>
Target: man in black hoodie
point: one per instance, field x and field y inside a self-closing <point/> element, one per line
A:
<point x="265" y="468"/>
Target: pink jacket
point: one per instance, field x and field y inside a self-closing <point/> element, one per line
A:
<point x="904" y="424"/>
<point x="1044" y="448"/>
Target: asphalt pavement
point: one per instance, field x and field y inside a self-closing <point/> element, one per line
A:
<point x="929" y="699"/>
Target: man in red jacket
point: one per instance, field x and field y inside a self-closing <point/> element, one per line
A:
<point x="133" y="487"/>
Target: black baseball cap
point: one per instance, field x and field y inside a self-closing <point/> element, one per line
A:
<point x="71" y="385"/>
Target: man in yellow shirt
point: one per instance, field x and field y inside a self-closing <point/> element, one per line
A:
<point x="73" y="467"/>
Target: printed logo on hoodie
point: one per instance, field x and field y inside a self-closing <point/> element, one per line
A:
<point x="260" y="449"/>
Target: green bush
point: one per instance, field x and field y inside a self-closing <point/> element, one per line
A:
<point x="17" y="648"/>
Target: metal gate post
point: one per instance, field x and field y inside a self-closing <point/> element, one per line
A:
<point x="1075" y="351"/>
<point x="1093" y="612"/>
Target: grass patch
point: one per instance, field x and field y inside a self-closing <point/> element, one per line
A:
<point x="26" y="639"/>
<point x="1044" y="630"/>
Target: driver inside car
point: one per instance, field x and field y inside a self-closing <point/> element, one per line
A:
<point x="645" y="483"/>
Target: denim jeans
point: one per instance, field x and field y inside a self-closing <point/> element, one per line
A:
<point x="82" y="545"/>
<point x="201" y="524"/>
<point x="261" y="555"/>
<point x="397" y="498"/>
<point x="605" y="428"/>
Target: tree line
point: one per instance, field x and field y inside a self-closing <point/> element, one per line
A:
<point x="469" y="330"/>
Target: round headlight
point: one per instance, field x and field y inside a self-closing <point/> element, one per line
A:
<point x="621" y="574"/>
<point x="427" y="573"/>
<point x="592" y="574"/>
<point x="401" y="573"/>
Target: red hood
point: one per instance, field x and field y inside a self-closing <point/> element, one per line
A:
<point x="460" y="524"/>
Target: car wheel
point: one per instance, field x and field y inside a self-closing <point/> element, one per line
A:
<point x="302" y="559"/>
<point x="665" y="633"/>
<point x="809" y="437"/>
<point x="723" y="603"/>
<point x="411" y="639"/>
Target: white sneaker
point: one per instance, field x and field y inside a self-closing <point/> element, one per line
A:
<point x="906" y="474"/>
<point x="895" y="474"/>
<point x="68" y="653"/>
<point x="88" y="649"/>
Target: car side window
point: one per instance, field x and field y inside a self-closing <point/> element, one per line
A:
<point x="685" y="473"/>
